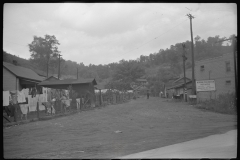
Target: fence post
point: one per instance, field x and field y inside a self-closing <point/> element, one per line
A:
<point x="37" y="109"/>
<point x="15" y="112"/>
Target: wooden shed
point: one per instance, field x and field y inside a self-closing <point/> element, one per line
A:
<point x="83" y="87"/>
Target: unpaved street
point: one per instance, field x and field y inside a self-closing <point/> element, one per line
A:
<point x="141" y="124"/>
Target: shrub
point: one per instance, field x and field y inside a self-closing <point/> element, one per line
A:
<point x="225" y="103"/>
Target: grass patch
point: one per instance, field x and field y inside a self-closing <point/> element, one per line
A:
<point x="225" y="103"/>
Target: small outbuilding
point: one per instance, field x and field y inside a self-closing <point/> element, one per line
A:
<point x="83" y="87"/>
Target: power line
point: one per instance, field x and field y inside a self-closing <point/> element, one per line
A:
<point x="16" y="43"/>
<point x="155" y="38"/>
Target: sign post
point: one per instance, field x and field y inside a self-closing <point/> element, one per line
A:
<point x="185" y="94"/>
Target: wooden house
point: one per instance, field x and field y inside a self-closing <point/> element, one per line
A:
<point x="16" y="77"/>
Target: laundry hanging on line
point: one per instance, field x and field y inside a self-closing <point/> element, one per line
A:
<point x="24" y="108"/>
<point x="6" y="98"/>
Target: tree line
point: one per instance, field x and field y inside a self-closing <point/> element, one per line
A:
<point x="157" y="67"/>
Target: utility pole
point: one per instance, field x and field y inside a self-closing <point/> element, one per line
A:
<point x="59" y="67"/>
<point x="193" y="64"/>
<point x="77" y="72"/>
<point x="184" y="59"/>
<point x="234" y="41"/>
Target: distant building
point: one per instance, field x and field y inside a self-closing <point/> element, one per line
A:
<point x="141" y="81"/>
<point x="176" y="88"/>
<point x="220" y="69"/>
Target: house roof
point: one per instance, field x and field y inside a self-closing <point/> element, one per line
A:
<point x="22" y="72"/>
<point x="40" y="72"/>
<point x="54" y="77"/>
<point x="177" y="80"/>
<point x="67" y="82"/>
<point x="178" y="85"/>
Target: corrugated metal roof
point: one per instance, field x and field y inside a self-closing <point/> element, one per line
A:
<point x="68" y="82"/>
<point x="22" y="72"/>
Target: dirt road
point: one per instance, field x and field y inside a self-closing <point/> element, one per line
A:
<point x="114" y="131"/>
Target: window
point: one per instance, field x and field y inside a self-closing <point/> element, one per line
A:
<point x="228" y="82"/>
<point x="228" y="68"/>
<point x="202" y="68"/>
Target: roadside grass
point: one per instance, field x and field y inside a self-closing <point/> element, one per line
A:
<point x="225" y="103"/>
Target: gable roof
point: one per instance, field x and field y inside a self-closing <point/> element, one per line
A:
<point x="52" y="78"/>
<point x="22" y="72"/>
<point x="182" y="78"/>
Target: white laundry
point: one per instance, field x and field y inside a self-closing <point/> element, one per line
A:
<point x="32" y="101"/>
<point x="78" y="103"/>
<point x="41" y="107"/>
<point x="32" y="108"/>
<point x="67" y="102"/>
<point x="26" y="92"/>
<point x="24" y="108"/>
<point x="6" y="98"/>
<point x="20" y="97"/>
<point x="45" y="94"/>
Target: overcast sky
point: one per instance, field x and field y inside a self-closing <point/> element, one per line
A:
<point x="102" y="33"/>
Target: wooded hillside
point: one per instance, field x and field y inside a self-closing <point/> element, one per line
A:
<point x="155" y="67"/>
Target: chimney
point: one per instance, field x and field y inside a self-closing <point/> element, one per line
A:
<point x="15" y="62"/>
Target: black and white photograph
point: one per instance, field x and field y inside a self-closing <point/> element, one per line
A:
<point x="114" y="80"/>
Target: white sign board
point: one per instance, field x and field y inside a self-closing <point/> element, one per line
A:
<point x="192" y="96"/>
<point x="205" y="85"/>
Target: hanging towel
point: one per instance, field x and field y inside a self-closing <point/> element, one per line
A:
<point x="32" y="102"/>
<point x="6" y="98"/>
<point x="32" y="108"/>
<point x="49" y="95"/>
<point x="21" y="97"/>
<point x="26" y="92"/>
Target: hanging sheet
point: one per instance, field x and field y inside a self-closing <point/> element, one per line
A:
<point x="21" y="97"/>
<point x="24" y="108"/>
<point x="6" y="98"/>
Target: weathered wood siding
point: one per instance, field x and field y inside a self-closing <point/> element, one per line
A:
<point x="9" y="80"/>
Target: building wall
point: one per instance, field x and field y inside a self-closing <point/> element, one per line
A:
<point x="9" y="80"/>
<point x="215" y="69"/>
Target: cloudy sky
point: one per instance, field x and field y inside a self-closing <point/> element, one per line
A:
<point x="102" y="33"/>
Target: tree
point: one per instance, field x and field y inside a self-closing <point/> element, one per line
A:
<point x="124" y="74"/>
<point x="165" y="74"/>
<point x="43" y="51"/>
